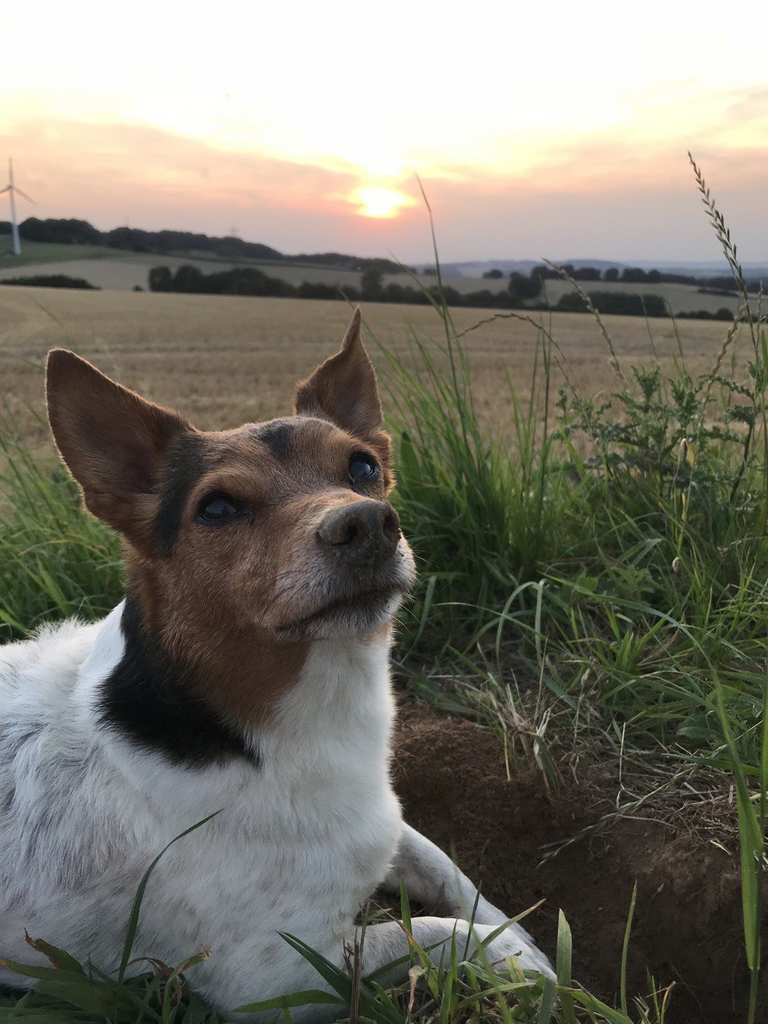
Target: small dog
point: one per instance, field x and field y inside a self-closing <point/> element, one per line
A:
<point x="246" y="672"/>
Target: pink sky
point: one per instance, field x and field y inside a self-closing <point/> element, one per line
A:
<point x="561" y="140"/>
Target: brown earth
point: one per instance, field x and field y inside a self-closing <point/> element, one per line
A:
<point x="451" y="777"/>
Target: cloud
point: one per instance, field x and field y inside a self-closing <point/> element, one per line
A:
<point x="620" y="192"/>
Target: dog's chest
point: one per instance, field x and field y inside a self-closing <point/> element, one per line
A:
<point x="301" y="840"/>
<point x="242" y="879"/>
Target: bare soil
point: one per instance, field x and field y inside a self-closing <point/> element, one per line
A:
<point x="451" y="777"/>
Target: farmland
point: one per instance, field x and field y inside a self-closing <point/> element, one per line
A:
<point x="590" y="592"/>
<point x="227" y="360"/>
<point x="120" y="270"/>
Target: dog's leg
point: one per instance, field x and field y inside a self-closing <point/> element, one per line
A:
<point x="433" y="880"/>
<point x="385" y="943"/>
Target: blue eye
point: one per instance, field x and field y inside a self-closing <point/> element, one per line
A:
<point x="362" y="469"/>
<point x="217" y="508"/>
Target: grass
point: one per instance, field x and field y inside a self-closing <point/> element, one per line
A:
<point x="55" y="560"/>
<point x="50" y="252"/>
<point x="611" y="552"/>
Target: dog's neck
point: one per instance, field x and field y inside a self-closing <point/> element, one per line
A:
<point x="281" y="703"/>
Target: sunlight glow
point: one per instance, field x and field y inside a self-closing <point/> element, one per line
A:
<point x="380" y="202"/>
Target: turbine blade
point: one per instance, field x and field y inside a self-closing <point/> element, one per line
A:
<point x="6" y="189"/>
<point x="24" y="194"/>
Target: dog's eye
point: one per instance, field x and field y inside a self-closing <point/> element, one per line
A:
<point x="362" y="469"/>
<point x="218" y="508"/>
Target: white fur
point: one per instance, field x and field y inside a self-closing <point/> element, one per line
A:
<point x="298" y="844"/>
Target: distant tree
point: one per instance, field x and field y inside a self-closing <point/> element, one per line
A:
<point x="52" y="281"/>
<point x="654" y="277"/>
<point x="611" y="274"/>
<point x="160" y="279"/>
<point x="67" y="231"/>
<point x="188" y="279"/>
<point x="586" y="274"/>
<point x="571" y="302"/>
<point x="541" y="272"/>
<point x="493" y="275"/>
<point x="634" y="275"/>
<point x="452" y="296"/>
<point x="371" y="285"/>
<point x="615" y="302"/>
<point x="521" y="286"/>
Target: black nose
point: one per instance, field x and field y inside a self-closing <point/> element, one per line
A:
<point x="362" y="531"/>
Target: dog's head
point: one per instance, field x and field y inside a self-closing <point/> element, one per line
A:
<point x="281" y="527"/>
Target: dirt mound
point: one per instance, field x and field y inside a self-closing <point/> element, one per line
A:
<point x="451" y="778"/>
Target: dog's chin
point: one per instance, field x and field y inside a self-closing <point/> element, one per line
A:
<point x="345" y="616"/>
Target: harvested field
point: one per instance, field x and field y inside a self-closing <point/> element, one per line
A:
<point x="228" y="360"/>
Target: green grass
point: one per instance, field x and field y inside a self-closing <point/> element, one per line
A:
<point x="51" y="252"/>
<point x="55" y="560"/>
<point x="617" y="549"/>
<point x="613" y="554"/>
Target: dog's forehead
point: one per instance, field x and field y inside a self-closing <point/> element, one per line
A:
<point x="282" y="438"/>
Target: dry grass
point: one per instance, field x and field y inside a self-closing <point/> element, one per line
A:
<point x="227" y="360"/>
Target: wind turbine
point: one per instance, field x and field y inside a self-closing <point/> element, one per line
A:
<point x="10" y="188"/>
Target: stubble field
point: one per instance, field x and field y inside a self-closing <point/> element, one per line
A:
<point x="228" y="360"/>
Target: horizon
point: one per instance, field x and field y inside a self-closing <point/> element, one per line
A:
<point x="489" y="261"/>
<point x="577" y="145"/>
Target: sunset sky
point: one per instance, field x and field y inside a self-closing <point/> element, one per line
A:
<point x="557" y="130"/>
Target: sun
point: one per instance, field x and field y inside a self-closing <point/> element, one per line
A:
<point x="380" y="202"/>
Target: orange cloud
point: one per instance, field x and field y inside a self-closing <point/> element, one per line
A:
<point x="610" y="193"/>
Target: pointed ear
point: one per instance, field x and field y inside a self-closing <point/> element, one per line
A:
<point x="344" y="388"/>
<point x="113" y="442"/>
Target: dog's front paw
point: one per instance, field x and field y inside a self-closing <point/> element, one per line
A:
<point x="513" y="941"/>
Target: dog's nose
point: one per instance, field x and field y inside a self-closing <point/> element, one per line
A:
<point x="361" y="531"/>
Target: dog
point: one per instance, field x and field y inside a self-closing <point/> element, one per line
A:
<point x="245" y="673"/>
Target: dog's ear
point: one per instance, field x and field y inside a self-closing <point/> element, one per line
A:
<point x="343" y="389"/>
<point x="113" y="441"/>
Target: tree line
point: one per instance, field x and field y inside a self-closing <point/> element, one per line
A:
<point x="720" y="285"/>
<point x="71" y="231"/>
<point x="521" y="293"/>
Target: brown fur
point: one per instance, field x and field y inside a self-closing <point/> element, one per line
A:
<point x="344" y="390"/>
<point x="228" y="602"/>
<point x="113" y="442"/>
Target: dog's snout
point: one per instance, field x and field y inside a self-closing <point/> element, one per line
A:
<point x="363" y="530"/>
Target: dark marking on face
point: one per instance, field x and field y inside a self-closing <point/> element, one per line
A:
<point x="186" y="464"/>
<point x="155" y="704"/>
<point x="277" y="436"/>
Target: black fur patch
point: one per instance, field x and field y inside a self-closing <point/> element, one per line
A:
<point x="277" y="437"/>
<point x="154" y="703"/>
<point x="186" y="464"/>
